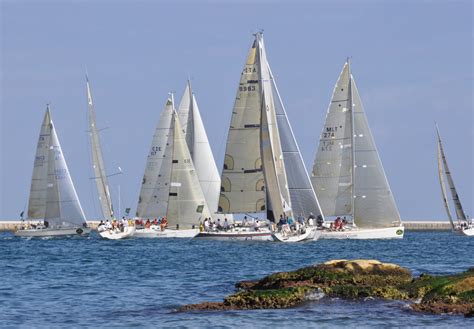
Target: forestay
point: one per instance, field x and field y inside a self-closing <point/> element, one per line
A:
<point x="242" y="182"/>
<point x="199" y="148"/>
<point x="37" y="198"/>
<point x="100" y="175"/>
<point x="63" y="208"/>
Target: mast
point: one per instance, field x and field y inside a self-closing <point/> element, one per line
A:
<point x="454" y="194"/>
<point x="100" y="174"/>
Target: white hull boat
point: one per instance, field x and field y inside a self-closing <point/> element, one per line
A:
<point x="156" y="232"/>
<point x="237" y="235"/>
<point x="467" y="232"/>
<point x="364" y="234"/>
<point x="115" y="234"/>
<point x="310" y="234"/>
<point x="52" y="232"/>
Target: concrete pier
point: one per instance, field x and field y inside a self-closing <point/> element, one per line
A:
<point x="415" y="225"/>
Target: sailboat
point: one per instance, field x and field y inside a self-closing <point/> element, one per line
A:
<point x="170" y="186"/>
<point x="263" y="169"/>
<point x="199" y="148"/>
<point x="348" y="176"/>
<point x="53" y="198"/>
<point x="106" y="231"/>
<point x="464" y="225"/>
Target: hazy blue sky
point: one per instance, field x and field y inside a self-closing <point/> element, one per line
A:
<point x="412" y="61"/>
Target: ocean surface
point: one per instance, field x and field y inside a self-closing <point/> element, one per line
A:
<point x="90" y="282"/>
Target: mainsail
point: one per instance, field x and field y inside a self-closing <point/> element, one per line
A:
<point x="63" y="208"/>
<point x="242" y="182"/>
<point x="199" y="147"/>
<point x="442" y="162"/>
<point x="348" y="176"/>
<point x="263" y="168"/>
<point x="170" y="185"/>
<point x="37" y="199"/>
<point x="100" y="175"/>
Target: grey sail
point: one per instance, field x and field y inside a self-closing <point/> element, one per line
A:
<point x="154" y="193"/>
<point x="348" y="176"/>
<point x="242" y="182"/>
<point x="63" y="208"/>
<point x="441" y="181"/>
<point x="199" y="148"/>
<point x="186" y="203"/>
<point x="454" y="194"/>
<point x="37" y="198"/>
<point x="332" y="168"/>
<point x="100" y="175"/>
<point x="374" y="205"/>
<point x="302" y="196"/>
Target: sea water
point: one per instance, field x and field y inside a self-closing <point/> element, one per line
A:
<point x="91" y="282"/>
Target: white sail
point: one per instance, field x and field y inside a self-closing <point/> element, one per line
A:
<point x="199" y="148"/>
<point x="242" y="182"/>
<point x="332" y="168"/>
<point x="348" y="176"/>
<point x="153" y="199"/>
<point x="37" y="198"/>
<point x="302" y="196"/>
<point x="100" y="174"/>
<point x="186" y="202"/>
<point x="63" y="208"/>
<point x="441" y="182"/>
<point x="374" y="205"/>
<point x="454" y="194"/>
<point x="278" y="197"/>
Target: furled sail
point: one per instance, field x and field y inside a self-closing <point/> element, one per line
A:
<point x="242" y="182"/>
<point x="332" y="168"/>
<point x="37" y="198"/>
<point x="63" y="208"/>
<point x="153" y="199"/>
<point x="199" y="148"/>
<point x="100" y="175"/>
<point x="348" y="176"/>
<point x="454" y="194"/>
<point x="302" y="196"/>
<point x="186" y="205"/>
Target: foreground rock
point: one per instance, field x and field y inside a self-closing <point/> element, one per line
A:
<point x="352" y="279"/>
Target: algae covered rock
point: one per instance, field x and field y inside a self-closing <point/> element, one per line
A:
<point x="352" y="279"/>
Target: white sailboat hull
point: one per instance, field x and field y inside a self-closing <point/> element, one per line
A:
<point x="310" y="234"/>
<point x="237" y="235"/>
<point x="52" y="232"/>
<point x="365" y="234"/>
<point x="166" y="233"/>
<point x="117" y="235"/>
<point x="466" y="232"/>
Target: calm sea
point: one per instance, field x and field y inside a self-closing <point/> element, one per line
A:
<point x="90" y="282"/>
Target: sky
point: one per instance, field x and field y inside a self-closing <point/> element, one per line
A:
<point x="412" y="61"/>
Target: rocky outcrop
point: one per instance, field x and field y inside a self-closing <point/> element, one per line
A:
<point x="352" y="279"/>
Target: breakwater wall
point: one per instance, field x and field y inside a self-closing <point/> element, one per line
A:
<point x="420" y="225"/>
